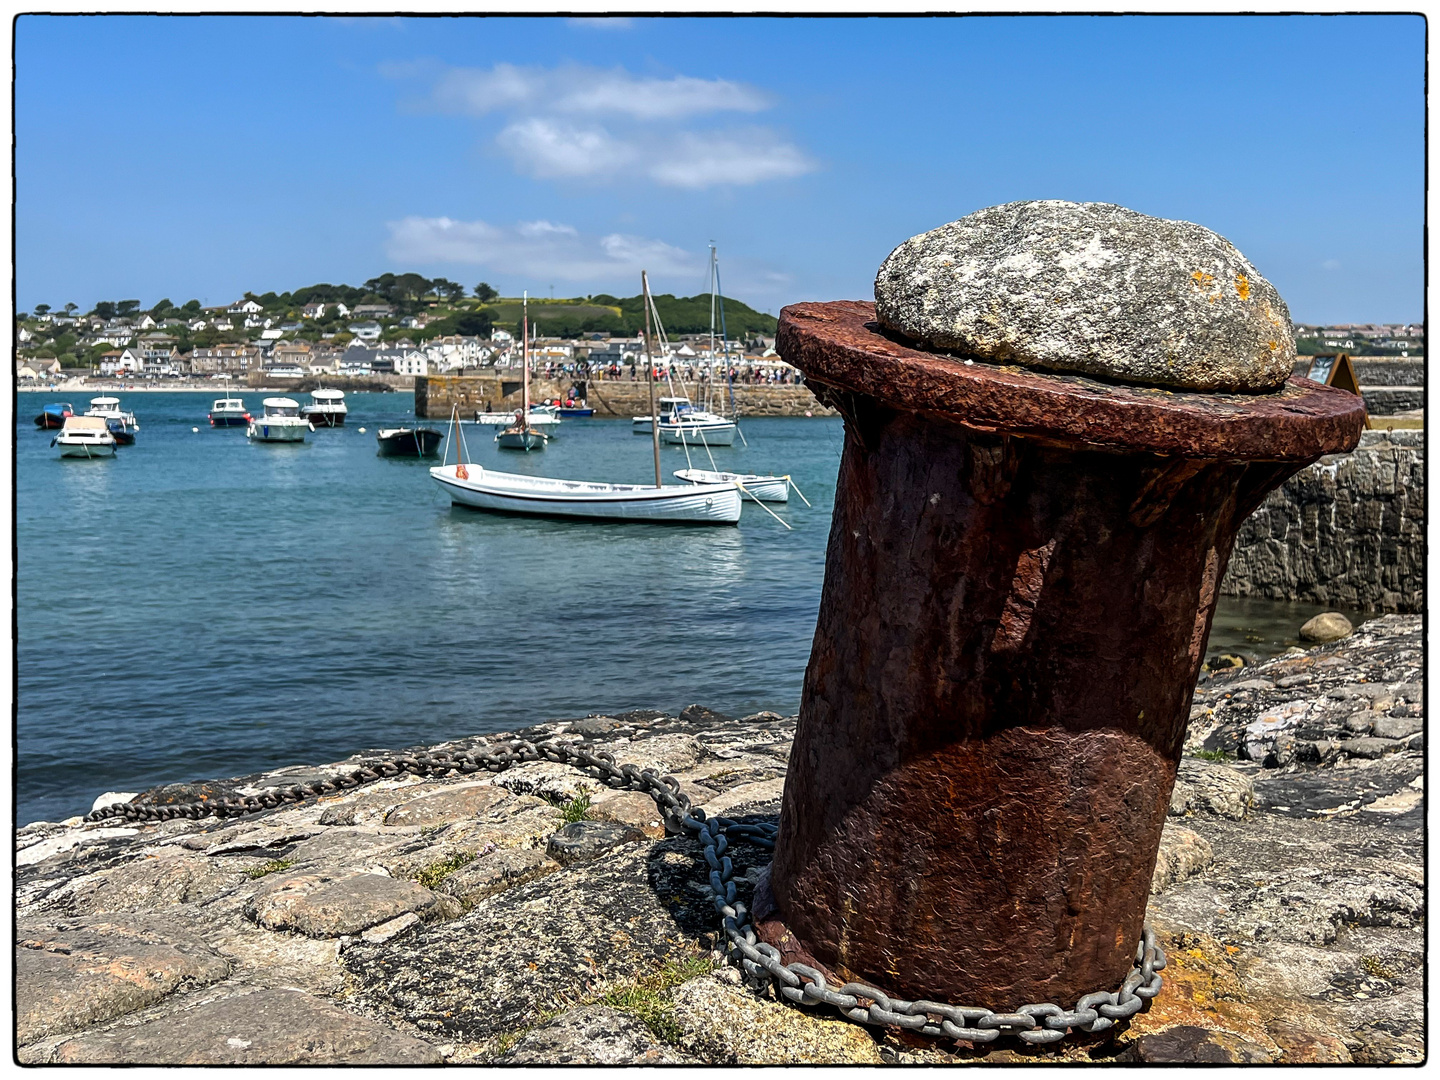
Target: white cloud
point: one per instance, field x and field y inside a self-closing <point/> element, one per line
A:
<point x="539" y="249"/>
<point x="548" y="149"/>
<point x="585" y="90"/>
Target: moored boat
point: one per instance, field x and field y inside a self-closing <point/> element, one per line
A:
<point x="486" y="489"/>
<point x="696" y="427"/>
<point x="643" y="425"/>
<point x="327" y="408"/>
<point x="53" y="415"/>
<point x="229" y="412"/>
<point x="756" y="487"/>
<point x="281" y="422"/>
<point x="85" y="437"/>
<point x="520" y="435"/>
<point x="122" y="434"/>
<point x="574" y="409"/>
<point x="408" y="442"/>
<point x="108" y="408"/>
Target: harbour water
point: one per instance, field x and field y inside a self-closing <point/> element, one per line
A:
<point x="202" y="607"/>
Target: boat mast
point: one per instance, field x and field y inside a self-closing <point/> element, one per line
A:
<point x="710" y="382"/>
<point x="650" y="378"/>
<point x="525" y="358"/>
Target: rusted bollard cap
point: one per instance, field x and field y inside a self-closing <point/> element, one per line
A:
<point x="842" y="345"/>
<point x="1092" y="288"/>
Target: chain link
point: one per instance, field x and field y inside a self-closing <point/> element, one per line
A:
<point x="761" y="962"/>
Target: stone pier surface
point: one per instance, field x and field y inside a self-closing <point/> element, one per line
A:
<point x="466" y="920"/>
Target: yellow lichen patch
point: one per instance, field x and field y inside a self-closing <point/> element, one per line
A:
<point x="1242" y="286"/>
<point x="1202" y="279"/>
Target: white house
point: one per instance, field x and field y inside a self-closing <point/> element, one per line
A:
<point x="146" y="322"/>
<point x="244" y="307"/>
<point x="366" y="331"/>
<point x="501" y="336"/>
<point x="273" y="334"/>
<point x="24" y="335"/>
<point x="314" y="311"/>
<point x="409" y="361"/>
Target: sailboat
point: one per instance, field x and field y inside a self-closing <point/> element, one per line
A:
<point x="689" y="426"/>
<point x="468" y="484"/>
<point x="521" y="435"/>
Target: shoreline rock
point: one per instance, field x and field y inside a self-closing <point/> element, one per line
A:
<point x="466" y="920"/>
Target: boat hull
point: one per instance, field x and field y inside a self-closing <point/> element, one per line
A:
<point x="51" y="420"/>
<point x="521" y="440"/>
<point x="774" y="489"/>
<point x="409" y="444"/>
<point x="228" y="421"/>
<point x="122" y="436"/>
<point x="562" y="411"/>
<point x="697" y="435"/>
<point x="323" y="417"/>
<point x="88" y="449"/>
<point x="268" y="431"/>
<point x="714" y="504"/>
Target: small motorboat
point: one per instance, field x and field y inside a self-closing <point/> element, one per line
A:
<point x="122" y="434"/>
<point x="108" y="408"/>
<point x="327" y="408"/>
<point x="574" y="408"/>
<point x="408" y="442"/>
<point x="53" y="416"/>
<point x="85" y="437"/>
<point x="641" y="425"/>
<point x="757" y="488"/>
<point x="282" y="422"/>
<point x="486" y="489"/>
<point x="545" y="409"/>
<point x="229" y="412"/>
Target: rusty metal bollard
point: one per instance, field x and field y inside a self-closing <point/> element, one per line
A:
<point x="1021" y="574"/>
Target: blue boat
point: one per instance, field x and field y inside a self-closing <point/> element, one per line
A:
<point x="53" y="416"/>
<point x="124" y="436"/>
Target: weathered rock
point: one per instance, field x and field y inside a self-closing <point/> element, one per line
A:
<point x="171" y="794"/>
<point x="496" y="872"/>
<point x="1183" y="854"/>
<point x="703" y="717"/>
<point x="630" y="808"/>
<point x="76" y="973"/>
<point x="1187" y="1045"/>
<point x="269" y="1027"/>
<point x="585" y="841"/>
<point x="150" y="883"/>
<point x="726" y="1025"/>
<point x="1092" y="288"/>
<point x="1209" y="787"/>
<point x="248" y="837"/>
<point x="1327" y="626"/>
<point x="1370" y="748"/>
<point x="378" y="935"/>
<point x="1396" y="727"/>
<point x="443" y="807"/>
<point x="592" y="1035"/>
<point x="322" y="905"/>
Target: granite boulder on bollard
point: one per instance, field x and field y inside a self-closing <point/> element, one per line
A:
<point x="1093" y="288"/>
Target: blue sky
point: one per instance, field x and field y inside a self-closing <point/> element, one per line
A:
<point x="201" y="157"/>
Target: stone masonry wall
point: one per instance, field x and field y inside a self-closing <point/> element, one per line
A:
<point x="435" y="394"/>
<point x="1348" y="530"/>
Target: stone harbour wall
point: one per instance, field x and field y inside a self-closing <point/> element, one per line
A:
<point x="435" y="394"/>
<point x="1348" y="530"/>
<point x="620" y="397"/>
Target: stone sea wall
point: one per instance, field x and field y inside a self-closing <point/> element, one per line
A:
<point x="435" y="394"/>
<point x="534" y="916"/>
<point x="1348" y="530"/>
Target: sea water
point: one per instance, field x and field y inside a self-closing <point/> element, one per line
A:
<point x="202" y="606"/>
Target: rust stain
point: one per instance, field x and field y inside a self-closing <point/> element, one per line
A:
<point x="1025" y="590"/>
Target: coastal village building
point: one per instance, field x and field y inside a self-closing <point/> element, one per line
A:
<point x="290" y="354"/>
<point x="366" y="331"/>
<point x="232" y="359"/>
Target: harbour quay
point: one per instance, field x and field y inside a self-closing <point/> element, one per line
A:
<point x="499" y="390"/>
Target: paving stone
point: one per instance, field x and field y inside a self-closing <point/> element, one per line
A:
<point x="444" y="807"/>
<point x="592" y="1035"/>
<point x="153" y="882"/>
<point x="632" y="808"/>
<point x="321" y="905"/>
<point x="497" y="872"/>
<point x="585" y="841"/>
<point x="74" y="973"/>
<point x="268" y="1027"/>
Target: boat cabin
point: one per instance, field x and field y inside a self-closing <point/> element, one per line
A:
<point x="229" y="404"/>
<point x="87" y="426"/>
<point x="327" y="397"/>
<point x="281" y="406"/>
<point x="104" y="405"/>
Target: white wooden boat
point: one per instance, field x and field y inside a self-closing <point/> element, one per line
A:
<point x="85" y="437"/>
<point x="757" y="488"/>
<point x="643" y="425"/>
<point x="281" y="422"/>
<point x="499" y="419"/>
<point x="486" y="489"/>
<point x="521" y="438"/>
<point x="327" y="408"/>
<point x="696" y="427"/>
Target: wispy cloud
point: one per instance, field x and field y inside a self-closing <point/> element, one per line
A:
<point x="588" y="123"/>
<point x="539" y="249"/>
<point x="584" y="90"/>
<point x="547" y="149"/>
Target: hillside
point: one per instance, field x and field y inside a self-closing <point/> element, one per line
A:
<point x="608" y="314"/>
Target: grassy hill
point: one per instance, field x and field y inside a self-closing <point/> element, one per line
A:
<point x="612" y="315"/>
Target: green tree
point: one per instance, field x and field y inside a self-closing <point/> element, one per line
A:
<point x="41" y="310"/>
<point x="450" y="290"/>
<point x="71" y="308"/>
<point x="127" y="307"/>
<point x="484" y="293"/>
<point x="191" y="307"/>
<point x="162" y="307"/>
<point x="105" y="309"/>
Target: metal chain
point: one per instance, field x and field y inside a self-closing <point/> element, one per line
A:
<point x="760" y="961"/>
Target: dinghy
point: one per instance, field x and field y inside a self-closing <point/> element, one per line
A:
<point x="758" y="488"/>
